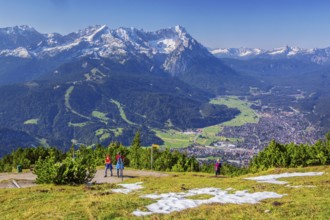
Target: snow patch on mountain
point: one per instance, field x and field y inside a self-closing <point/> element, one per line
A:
<point x="276" y="51"/>
<point x="17" y="30"/>
<point x="18" y="52"/>
<point x="236" y="52"/>
<point x="90" y="38"/>
<point x="165" y="45"/>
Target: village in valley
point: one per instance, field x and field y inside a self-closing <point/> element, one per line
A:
<point x="236" y="142"/>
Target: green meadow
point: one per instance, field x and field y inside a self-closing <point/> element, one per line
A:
<point x="99" y="202"/>
<point x="177" y="139"/>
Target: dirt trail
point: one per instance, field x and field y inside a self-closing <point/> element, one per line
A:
<point x="27" y="179"/>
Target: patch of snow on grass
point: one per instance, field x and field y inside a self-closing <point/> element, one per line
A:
<point x="171" y="202"/>
<point x="308" y="186"/>
<point x="273" y="178"/>
<point x="128" y="188"/>
<point x="228" y="189"/>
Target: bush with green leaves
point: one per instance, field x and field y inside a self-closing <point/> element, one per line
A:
<point x="72" y="170"/>
<point x="27" y="157"/>
<point x="45" y="169"/>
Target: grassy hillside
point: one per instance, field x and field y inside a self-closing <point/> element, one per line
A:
<point x="77" y="104"/>
<point x="311" y="201"/>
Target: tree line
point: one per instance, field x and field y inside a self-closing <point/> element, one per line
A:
<point x="292" y="155"/>
<point x="79" y="165"/>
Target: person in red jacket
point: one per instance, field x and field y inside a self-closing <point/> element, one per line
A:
<point x="217" y="167"/>
<point x="108" y="165"/>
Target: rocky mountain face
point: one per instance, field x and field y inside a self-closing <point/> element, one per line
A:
<point x="169" y="50"/>
<point x="99" y="85"/>
<point x="19" y="38"/>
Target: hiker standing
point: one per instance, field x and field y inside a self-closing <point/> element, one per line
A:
<point x="119" y="164"/>
<point x="217" y="167"/>
<point x="108" y="165"/>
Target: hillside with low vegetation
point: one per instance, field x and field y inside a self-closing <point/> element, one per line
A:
<point x="283" y="182"/>
<point x="308" y="198"/>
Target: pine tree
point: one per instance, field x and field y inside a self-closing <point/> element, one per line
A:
<point x="135" y="151"/>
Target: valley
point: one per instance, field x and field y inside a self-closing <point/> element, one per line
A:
<point x="238" y="140"/>
<point x="100" y="85"/>
<point x="164" y="109"/>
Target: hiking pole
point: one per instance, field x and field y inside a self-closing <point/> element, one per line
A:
<point x="121" y="173"/>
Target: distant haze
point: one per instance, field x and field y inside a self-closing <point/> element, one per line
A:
<point x="215" y="23"/>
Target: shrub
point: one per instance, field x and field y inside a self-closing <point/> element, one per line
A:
<point x="69" y="171"/>
<point x="45" y="170"/>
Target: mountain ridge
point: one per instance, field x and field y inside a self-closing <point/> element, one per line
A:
<point x="100" y="84"/>
<point x="170" y="50"/>
<point x="314" y="55"/>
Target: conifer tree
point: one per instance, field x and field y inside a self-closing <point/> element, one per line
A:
<point x="135" y="151"/>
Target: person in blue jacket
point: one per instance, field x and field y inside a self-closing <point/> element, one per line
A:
<point x="119" y="164"/>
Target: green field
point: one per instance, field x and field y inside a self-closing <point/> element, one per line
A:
<point x="82" y="124"/>
<point x="95" y="73"/>
<point x="104" y="134"/>
<point x="101" y="116"/>
<point x="247" y="114"/>
<point x="43" y="142"/>
<point x="176" y="139"/>
<point x="117" y="131"/>
<point x="33" y="121"/>
<point x="310" y="201"/>
<point x="67" y="102"/>
<point x="122" y="112"/>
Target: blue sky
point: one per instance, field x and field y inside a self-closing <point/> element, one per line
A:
<point x="215" y="23"/>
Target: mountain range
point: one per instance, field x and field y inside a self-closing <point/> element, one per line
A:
<point x="315" y="55"/>
<point x="101" y="84"/>
<point x="160" y="50"/>
<point x="98" y="84"/>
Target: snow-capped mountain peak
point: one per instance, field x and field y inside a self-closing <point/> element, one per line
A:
<point x="319" y="56"/>
<point x="18" y="52"/>
<point x="181" y="31"/>
<point x="19" y="36"/>
<point x="99" y="30"/>
<point x="286" y="51"/>
<point x="17" y="29"/>
<point x="164" y="47"/>
<point x="241" y="52"/>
